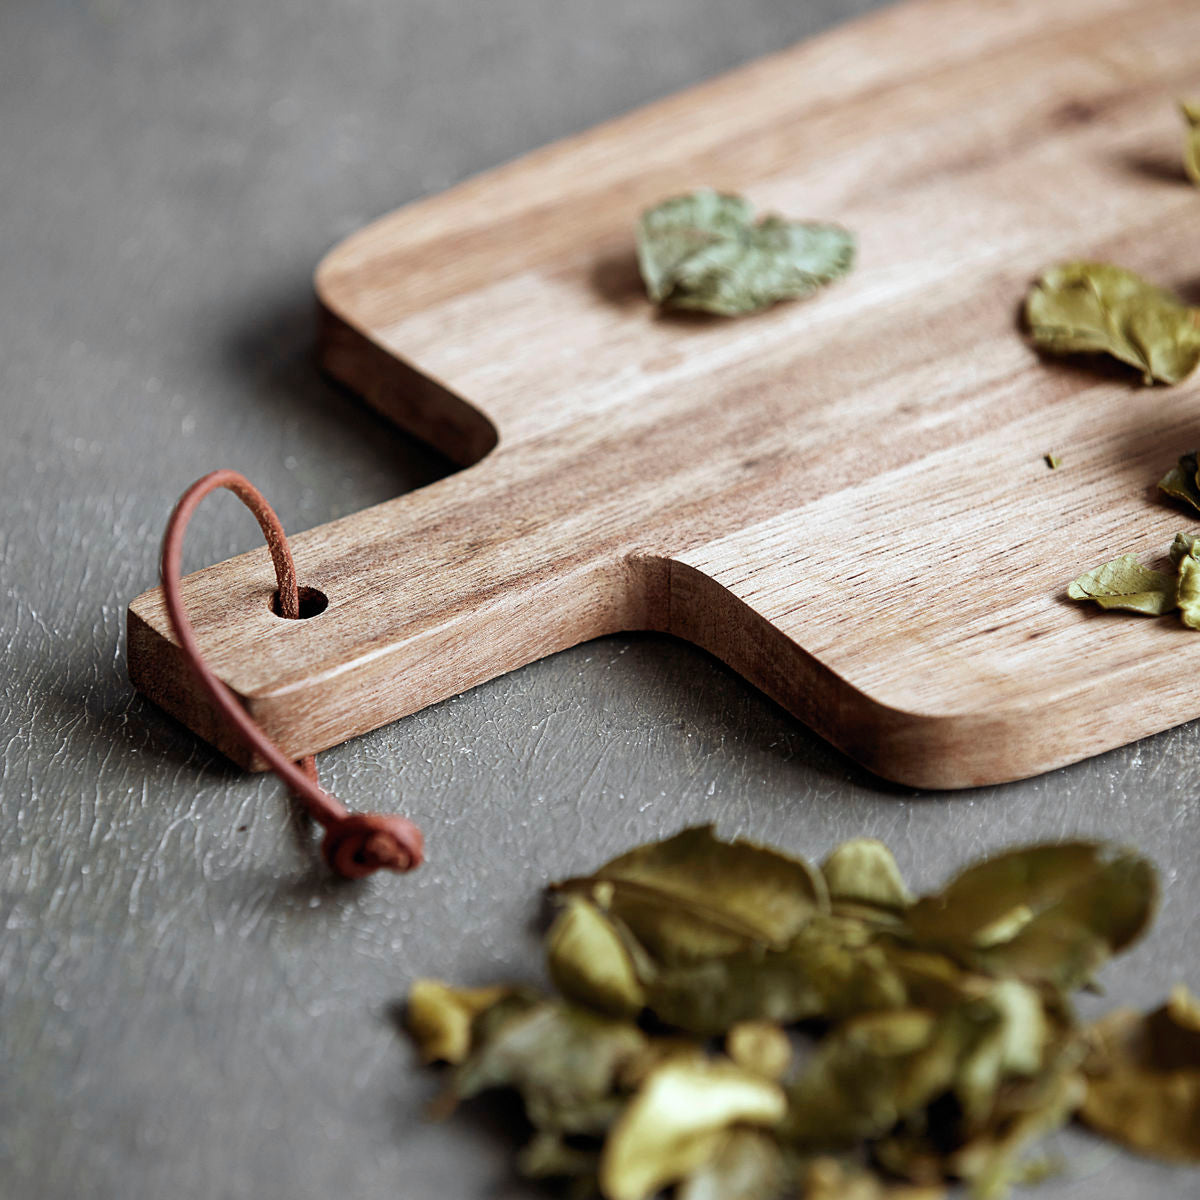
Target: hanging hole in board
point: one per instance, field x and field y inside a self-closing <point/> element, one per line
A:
<point x="313" y="602"/>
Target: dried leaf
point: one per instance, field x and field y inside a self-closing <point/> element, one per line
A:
<point x="702" y="251"/>
<point x="829" y="1179"/>
<point x="1183" y="545"/>
<point x="1144" y="1079"/>
<point x="1189" y="581"/>
<point x="1190" y="110"/>
<point x="1082" y="307"/>
<point x="693" y="896"/>
<point x="677" y="1123"/>
<point x="565" y="1062"/>
<point x="830" y="970"/>
<point x="1124" y="583"/>
<point x="547" y="1156"/>
<point x="761" y="1047"/>
<point x="439" y="1018"/>
<point x="1052" y="461"/>
<point x="1182" y="481"/>
<point x="590" y="962"/>
<point x="862" y="874"/>
<point x="747" y="1166"/>
<point x="871" y="1072"/>
<point x="1052" y="913"/>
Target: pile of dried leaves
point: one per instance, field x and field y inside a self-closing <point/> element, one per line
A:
<point x="735" y="1024"/>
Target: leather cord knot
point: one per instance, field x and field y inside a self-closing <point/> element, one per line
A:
<point x="361" y="843"/>
<point x="355" y="844"/>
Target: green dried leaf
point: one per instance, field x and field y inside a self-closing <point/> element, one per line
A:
<point x="1182" y="482"/>
<point x="830" y="970"/>
<point x="1183" y="545"/>
<point x="439" y="1018"/>
<point x="861" y="874"/>
<point x="1190" y="111"/>
<point x="1124" y="583"/>
<point x="988" y="1157"/>
<point x="1082" y="307"/>
<point x="1052" y="461"/>
<point x="1189" y="584"/>
<point x="1144" y="1079"/>
<point x="1052" y="913"/>
<point x="547" y="1156"/>
<point x="565" y="1062"/>
<point x="693" y="896"/>
<point x="829" y="1179"/>
<point x="678" y="1122"/>
<point x="747" y="1166"/>
<point x="761" y="1047"/>
<point x="873" y="1071"/>
<point x="590" y="962"/>
<point x="702" y="251"/>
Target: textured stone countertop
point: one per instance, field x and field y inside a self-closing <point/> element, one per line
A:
<point x="189" y="1006"/>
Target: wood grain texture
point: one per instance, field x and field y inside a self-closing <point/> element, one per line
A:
<point x="845" y="498"/>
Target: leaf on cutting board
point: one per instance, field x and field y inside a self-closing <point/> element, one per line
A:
<point x="1125" y="584"/>
<point x="678" y="1122"/>
<point x="1144" y="1079"/>
<point x="1052" y="913"/>
<point x="1190" y="111"/>
<point x="694" y="896"/>
<point x="1182" y="481"/>
<point x="1183" y="555"/>
<point x="1086" y="307"/>
<point x="703" y="251"/>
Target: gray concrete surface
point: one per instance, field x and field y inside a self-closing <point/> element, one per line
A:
<point x="189" y="1007"/>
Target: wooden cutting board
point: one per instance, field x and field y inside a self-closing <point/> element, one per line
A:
<point x="843" y="498"/>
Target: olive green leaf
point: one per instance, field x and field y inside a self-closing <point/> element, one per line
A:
<point x="1125" y="583"/>
<point x="669" y="234"/>
<point x="693" y="896"/>
<point x="761" y="1047"/>
<point x="1189" y="580"/>
<point x="439" y="1018"/>
<point x="1143" y="1087"/>
<point x="748" y="1165"/>
<point x="1182" y="481"/>
<point x="547" y="1156"/>
<point x="988" y="1157"/>
<point x="1052" y="913"/>
<point x="871" y="1072"/>
<point x="830" y="970"/>
<point x="1083" y="307"/>
<point x="677" y="1122"/>
<point x="863" y="878"/>
<point x="829" y="1179"/>
<point x="1183" y="545"/>
<point x="703" y="251"/>
<point x="564" y="1060"/>
<point x="1190" y="111"/>
<point x="590" y="962"/>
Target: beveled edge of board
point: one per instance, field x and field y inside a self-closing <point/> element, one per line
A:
<point x="645" y="593"/>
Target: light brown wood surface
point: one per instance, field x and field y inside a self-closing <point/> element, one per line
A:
<point x="843" y="498"/>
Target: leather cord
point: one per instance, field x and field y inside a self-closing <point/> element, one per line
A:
<point x="355" y="844"/>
